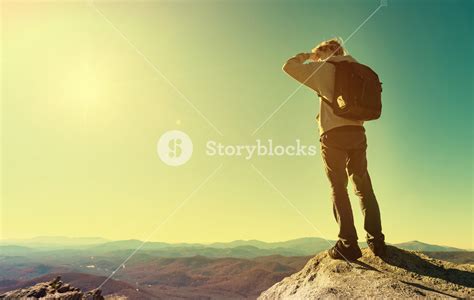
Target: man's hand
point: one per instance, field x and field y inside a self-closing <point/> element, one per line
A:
<point x="302" y="57"/>
<point x="313" y="56"/>
<point x="304" y="73"/>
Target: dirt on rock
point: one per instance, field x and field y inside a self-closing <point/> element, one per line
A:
<point x="399" y="274"/>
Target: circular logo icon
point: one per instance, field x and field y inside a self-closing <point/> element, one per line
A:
<point x="175" y="148"/>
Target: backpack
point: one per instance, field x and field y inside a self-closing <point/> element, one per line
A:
<point x="357" y="92"/>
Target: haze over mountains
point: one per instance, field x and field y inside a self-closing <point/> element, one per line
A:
<point x="232" y="270"/>
<point x="238" y="248"/>
<point x="55" y="241"/>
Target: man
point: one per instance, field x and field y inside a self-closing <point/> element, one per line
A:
<point x="343" y="149"/>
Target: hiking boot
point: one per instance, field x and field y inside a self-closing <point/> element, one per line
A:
<point x="378" y="247"/>
<point x="339" y="251"/>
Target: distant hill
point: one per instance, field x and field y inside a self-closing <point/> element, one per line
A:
<point x="458" y="257"/>
<point x="307" y="245"/>
<point x="420" y="246"/>
<point x="239" y="248"/>
<point x="250" y="248"/>
<point x="13" y="250"/>
<point x="54" y="242"/>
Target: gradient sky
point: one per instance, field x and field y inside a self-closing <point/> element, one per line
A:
<point x="82" y="112"/>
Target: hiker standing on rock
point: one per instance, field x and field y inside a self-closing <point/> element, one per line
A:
<point x="349" y="94"/>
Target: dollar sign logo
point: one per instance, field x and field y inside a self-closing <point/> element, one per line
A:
<point x="174" y="146"/>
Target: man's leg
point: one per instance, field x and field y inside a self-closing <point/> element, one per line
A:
<point x="335" y="167"/>
<point x="357" y="170"/>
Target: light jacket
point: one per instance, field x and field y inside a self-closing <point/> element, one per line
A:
<point x="320" y="77"/>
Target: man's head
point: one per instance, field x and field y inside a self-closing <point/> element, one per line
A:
<point x="326" y="49"/>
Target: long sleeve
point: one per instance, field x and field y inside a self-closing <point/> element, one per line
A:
<point x="320" y="76"/>
<point x="309" y="74"/>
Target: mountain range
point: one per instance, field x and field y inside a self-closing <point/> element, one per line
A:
<point x="234" y="270"/>
<point x="238" y="248"/>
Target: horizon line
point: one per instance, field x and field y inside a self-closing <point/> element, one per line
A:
<point x="210" y="243"/>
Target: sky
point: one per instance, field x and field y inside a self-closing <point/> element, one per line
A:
<point x="88" y="90"/>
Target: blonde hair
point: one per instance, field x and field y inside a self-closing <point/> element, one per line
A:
<point x="334" y="45"/>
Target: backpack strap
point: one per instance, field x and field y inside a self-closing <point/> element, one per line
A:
<point x="324" y="99"/>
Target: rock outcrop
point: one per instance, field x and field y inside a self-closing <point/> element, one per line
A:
<point x="54" y="289"/>
<point x="400" y="274"/>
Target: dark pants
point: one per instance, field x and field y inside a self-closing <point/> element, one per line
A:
<point x="343" y="150"/>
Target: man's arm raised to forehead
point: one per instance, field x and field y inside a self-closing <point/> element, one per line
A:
<point x="309" y="74"/>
